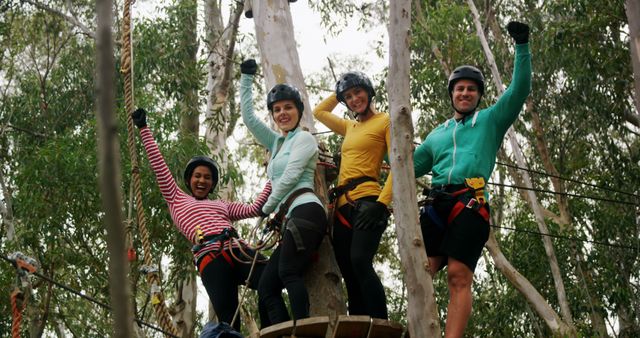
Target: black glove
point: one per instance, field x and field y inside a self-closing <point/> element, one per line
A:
<point x="371" y="215"/>
<point x="139" y="117"/>
<point x="519" y="32"/>
<point x="248" y="67"/>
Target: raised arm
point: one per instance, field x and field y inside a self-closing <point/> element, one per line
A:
<point x="323" y="114"/>
<point x="260" y="130"/>
<point x="510" y="103"/>
<point x="166" y="182"/>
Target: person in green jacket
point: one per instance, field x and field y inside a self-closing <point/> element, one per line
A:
<point x="291" y="169"/>
<point x="461" y="154"/>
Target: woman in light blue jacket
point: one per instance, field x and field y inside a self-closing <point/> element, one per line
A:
<point x="291" y="169"/>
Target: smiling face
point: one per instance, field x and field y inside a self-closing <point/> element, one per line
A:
<point x="285" y="114"/>
<point x="357" y="100"/>
<point x="201" y="182"/>
<point x="465" y="96"/>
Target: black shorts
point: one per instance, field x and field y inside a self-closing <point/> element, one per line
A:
<point x="463" y="239"/>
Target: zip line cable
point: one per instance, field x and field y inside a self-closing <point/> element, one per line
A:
<point x="575" y="239"/>
<point x="89" y="298"/>
<point x="562" y="193"/>
<point x="567" y="179"/>
<point x="550" y="175"/>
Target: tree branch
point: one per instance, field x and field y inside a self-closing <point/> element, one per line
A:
<point x="71" y="19"/>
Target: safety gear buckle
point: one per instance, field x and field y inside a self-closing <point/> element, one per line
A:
<point x="477" y="184"/>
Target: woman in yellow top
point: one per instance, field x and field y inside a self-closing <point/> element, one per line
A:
<point x="361" y="214"/>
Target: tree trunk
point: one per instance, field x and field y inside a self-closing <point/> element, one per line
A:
<point x="540" y="305"/>
<point x="281" y="64"/>
<point x="220" y="43"/>
<point x="632" y="8"/>
<point x="110" y="181"/>
<point x="422" y="309"/>
<point x="566" y="224"/>
<point x="184" y="311"/>
<point x="535" y="205"/>
<point x="218" y="121"/>
<point x="6" y="210"/>
<point x="189" y="112"/>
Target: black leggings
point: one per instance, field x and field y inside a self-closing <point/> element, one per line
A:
<point x="354" y="251"/>
<point x="221" y="279"/>
<point x="286" y="267"/>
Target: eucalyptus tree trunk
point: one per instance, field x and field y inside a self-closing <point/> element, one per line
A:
<point x="281" y="64"/>
<point x="189" y="113"/>
<point x="6" y="210"/>
<point x="632" y="8"/>
<point x="110" y="180"/>
<point x="535" y="299"/>
<point x="422" y="309"/>
<point x="220" y="44"/>
<point x="533" y="200"/>
<point x="184" y="307"/>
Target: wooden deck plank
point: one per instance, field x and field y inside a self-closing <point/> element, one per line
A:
<point x="385" y="329"/>
<point x="352" y="326"/>
<point x="315" y="327"/>
<point x="365" y="327"/>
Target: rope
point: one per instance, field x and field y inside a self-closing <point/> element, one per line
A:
<point x="160" y="308"/>
<point x="16" y="311"/>
<point x="81" y="295"/>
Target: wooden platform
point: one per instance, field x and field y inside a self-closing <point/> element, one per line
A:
<point x="366" y="327"/>
<point x="347" y="327"/>
<point x="315" y="327"/>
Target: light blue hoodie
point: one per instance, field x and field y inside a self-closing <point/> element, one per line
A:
<point x="292" y="166"/>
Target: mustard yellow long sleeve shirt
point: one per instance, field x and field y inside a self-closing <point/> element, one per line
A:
<point x="364" y="146"/>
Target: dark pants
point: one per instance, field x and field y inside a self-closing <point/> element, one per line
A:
<point x="462" y="239"/>
<point x="354" y="251"/>
<point x="287" y="265"/>
<point x="221" y="280"/>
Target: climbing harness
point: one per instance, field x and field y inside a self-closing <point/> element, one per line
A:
<point x="336" y="192"/>
<point x="25" y="266"/>
<point x="469" y="195"/>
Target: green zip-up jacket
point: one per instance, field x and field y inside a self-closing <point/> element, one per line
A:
<point x="293" y="157"/>
<point x="456" y="150"/>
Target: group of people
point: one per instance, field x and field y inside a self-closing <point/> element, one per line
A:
<point x="460" y="153"/>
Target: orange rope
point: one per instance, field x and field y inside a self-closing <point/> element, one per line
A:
<point x="16" y="296"/>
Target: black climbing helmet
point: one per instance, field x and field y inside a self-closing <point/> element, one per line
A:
<point x="466" y="72"/>
<point x="353" y="79"/>
<point x="198" y="161"/>
<point x="285" y="91"/>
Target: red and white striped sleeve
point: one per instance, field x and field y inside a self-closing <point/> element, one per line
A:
<point x="166" y="182"/>
<point x="243" y="210"/>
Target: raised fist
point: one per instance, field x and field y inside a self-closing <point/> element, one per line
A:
<point x="519" y="32"/>
<point x="139" y="117"/>
<point x="248" y="67"/>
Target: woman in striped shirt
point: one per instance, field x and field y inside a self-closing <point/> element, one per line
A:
<point x="207" y="225"/>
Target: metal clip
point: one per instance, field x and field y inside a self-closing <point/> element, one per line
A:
<point x="147" y="269"/>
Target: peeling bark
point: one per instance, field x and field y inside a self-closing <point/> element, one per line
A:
<point x="422" y="311"/>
